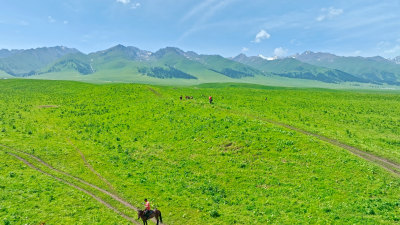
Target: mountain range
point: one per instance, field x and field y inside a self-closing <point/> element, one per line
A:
<point x="172" y="65"/>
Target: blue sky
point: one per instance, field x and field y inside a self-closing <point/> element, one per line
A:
<point x="226" y="27"/>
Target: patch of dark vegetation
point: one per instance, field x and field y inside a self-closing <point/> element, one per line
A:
<point x="235" y="73"/>
<point x="165" y="73"/>
<point x="81" y="67"/>
<point x="335" y="76"/>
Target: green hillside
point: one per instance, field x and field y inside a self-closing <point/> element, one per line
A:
<point x="376" y="69"/>
<point x="292" y="68"/>
<point x="173" y="66"/>
<point x="29" y="62"/>
<point x="228" y="67"/>
<point x="225" y="163"/>
<point x="77" y="62"/>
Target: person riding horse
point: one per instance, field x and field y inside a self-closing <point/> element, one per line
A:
<point x="147" y="209"/>
<point x="147" y="213"/>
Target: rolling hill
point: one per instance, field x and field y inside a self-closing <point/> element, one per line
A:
<point x="172" y="65"/>
<point x="28" y="62"/>
<point x="166" y="63"/>
<point x="292" y="68"/>
<point x="374" y="69"/>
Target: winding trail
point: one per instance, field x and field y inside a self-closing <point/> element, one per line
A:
<point x="90" y="167"/>
<point x="387" y="164"/>
<point x="113" y="196"/>
<point x="383" y="162"/>
<point x="154" y="91"/>
<point x="76" y="187"/>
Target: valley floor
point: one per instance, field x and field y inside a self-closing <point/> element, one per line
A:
<point x="257" y="155"/>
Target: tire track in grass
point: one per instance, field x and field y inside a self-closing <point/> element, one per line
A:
<point x="113" y="196"/>
<point x="90" y="167"/>
<point x="385" y="163"/>
<point x="154" y="91"/>
<point x="76" y="187"/>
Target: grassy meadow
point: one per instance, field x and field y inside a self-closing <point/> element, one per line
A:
<point x="198" y="163"/>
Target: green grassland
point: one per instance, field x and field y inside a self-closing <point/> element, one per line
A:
<point x="369" y="120"/>
<point x="198" y="163"/>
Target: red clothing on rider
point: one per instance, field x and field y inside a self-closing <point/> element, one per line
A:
<point x="147" y="205"/>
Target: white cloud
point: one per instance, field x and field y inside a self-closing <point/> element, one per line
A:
<point x="135" y="5"/>
<point x="261" y="36"/>
<point x="267" y="58"/>
<point x="329" y="13"/>
<point x="244" y="49"/>
<point x="51" y="19"/>
<point x="124" y="1"/>
<point x="280" y="52"/>
<point x="65" y="22"/>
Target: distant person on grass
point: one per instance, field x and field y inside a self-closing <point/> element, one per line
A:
<point x="210" y="99"/>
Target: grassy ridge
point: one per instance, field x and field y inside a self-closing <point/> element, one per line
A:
<point x="201" y="163"/>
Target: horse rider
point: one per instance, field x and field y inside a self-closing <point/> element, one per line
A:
<point x="147" y="209"/>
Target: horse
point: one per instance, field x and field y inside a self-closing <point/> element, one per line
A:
<point x="156" y="213"/>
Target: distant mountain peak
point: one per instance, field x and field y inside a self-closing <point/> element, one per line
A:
<point x="127" y="52"/>
<point x="173" y="49"/>
<point x="163" y="51"/>
<point x="240" y="57"/>
<point x="307" y="53"/>
<point x="396" y="60"/>
<point x="118" y="46"/>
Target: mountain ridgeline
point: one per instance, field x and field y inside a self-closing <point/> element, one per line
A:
<point x="175" y="64"/>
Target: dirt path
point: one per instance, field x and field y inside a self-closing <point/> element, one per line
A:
<point x="387" y="164"/>
<point x="113" y="196"/>
<point x="76" y="187"/>
<point x="154" y="91"/>
<point x="91" y="168"/>
<point x="383" y="162"/>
